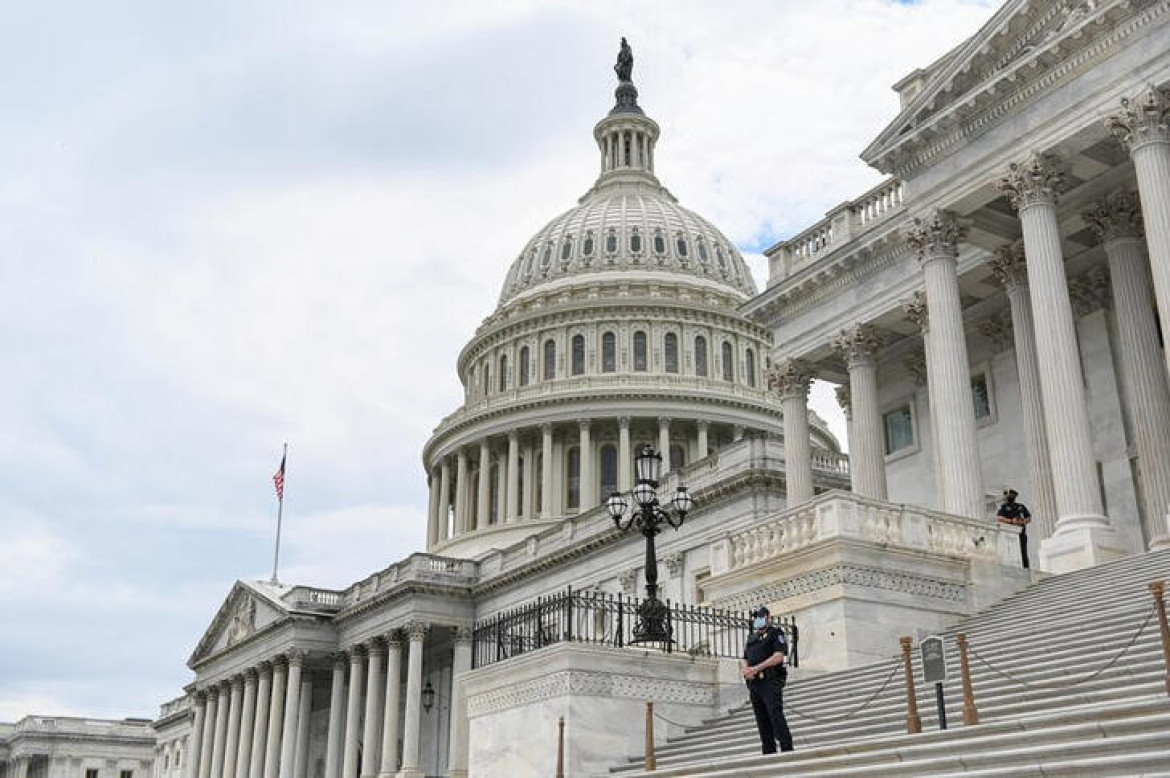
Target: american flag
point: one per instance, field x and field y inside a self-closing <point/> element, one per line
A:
<point x="278" y="479"/>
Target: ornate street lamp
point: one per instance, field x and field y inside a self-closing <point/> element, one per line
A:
<point x="648" y="517"/>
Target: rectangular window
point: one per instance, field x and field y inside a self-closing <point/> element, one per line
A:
<point x="981" y="396"/>
<point x="126" y="774"/>
<point x="91" y="772"/>
<point x="899" y="427"/>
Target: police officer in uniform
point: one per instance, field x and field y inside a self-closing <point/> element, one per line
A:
<point x="1016" y="514"/>
<point x="763" y="669"/>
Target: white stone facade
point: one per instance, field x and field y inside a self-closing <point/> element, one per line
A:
<point x="70" y="747"/>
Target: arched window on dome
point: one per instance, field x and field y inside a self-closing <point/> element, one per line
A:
<point x="609" y="467"/>
<point x="659" y="243"/>
<point x="487" y="378"/>
<point x="670" y="352"/>
<point x="635" y="241"/>
<point x="608" y="353"/>
<point x="573" y="478"/>
<point x="678" y="457"/>
<point x="700" y="356"/>
<point x="587" y="244"/>
<point x="521" y="506"/>
<point x="538" y="486"/>
<point x="728" y="362"/>
<point x="524" y="366"/>
<point x="640" y="360"/>
<point x="681" y="245"/>
<point x="749" y="369"/>
<point x="550" y="359"/>
<point x="567" y="248"/>
<point x="703" y="255"/>
<point x="578" y="355"/>
<point x="611" y="241"/>
<point x="720" y="259"/>
<point x="503" y="372"/>
<point x="546" y="259"/>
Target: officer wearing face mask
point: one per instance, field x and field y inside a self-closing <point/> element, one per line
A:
<point x="763" y="669"/>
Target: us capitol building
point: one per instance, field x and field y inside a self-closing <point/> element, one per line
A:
<point x="990" y="313"/>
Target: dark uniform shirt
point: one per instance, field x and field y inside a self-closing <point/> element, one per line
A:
<point x="762" y="644"/>
<point x="1013" y="513"/>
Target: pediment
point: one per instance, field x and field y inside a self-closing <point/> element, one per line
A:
<point x="1025" y="41"/>
<point x="246" y="610"/>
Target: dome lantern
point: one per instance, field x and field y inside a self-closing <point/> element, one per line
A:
<point x="626" y="137"/>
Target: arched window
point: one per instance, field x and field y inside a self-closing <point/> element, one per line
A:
<point x="573" y="478"/>
<point x="487" y="378"/>
<point x="640" y="361"/>
<point x="608" y="353"/>
<point x="546" y="260"/>
<point x="521" y="506"/>
<point x="703" y="252"/>
<point x="578" y="367"/>
<point x="503" y="372"/>
<point x="749" y="359"/>
<point x="700" y="356"/>
<point x="587" y="245"/>
<point x="659" y="243"/>
<point x="494" y="493"/>
<point x="609" y="465"/>
<point x="635" y="241"/>
<point x="678" y="456"/>
<point x="524" y="366"/>
<point x="537" y="485"/>
<point x="611" y="242"/>
<point x="670" y="352"/>
<point x="566" y="248"/>
<point x="681" y="245"/>
<point x="550" y="359"/>
<point x="728" y="363"/>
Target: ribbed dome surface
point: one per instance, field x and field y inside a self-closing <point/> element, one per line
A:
<point x="627" y="226"/>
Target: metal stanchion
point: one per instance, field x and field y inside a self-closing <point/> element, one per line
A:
<point x="1157" y="588"/>
<point x="651" y="762"/>
<point x="561" y="747"/>
<point x="970" y="714"/>
<point x="913" y="722"/>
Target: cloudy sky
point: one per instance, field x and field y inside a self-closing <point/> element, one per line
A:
<point x="226" y="225"/>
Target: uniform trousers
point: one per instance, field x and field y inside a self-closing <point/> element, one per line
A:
<point x="767" y="695"/>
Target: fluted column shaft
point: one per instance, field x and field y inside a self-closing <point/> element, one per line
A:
<point x="1009" y="268"/>
<point x="207" y="740"/>
<point x="444" y="498"/>
<point x="867" y="466"/>
<point x="461" y="663"/>
<point x="588" y="491"/>
<point x="349" y="762"/>
<point x="512" y="489"/>
<point x="304" y="709"/>
<point x="372" y="733"/>
<point x="191" y="768"/>
<point x="260" y="723"/>
<point x="413" y="724"/>
<point x="231" y="747"/>
<point x="275" y="719"/>
<point x="391" y="718"/>
<point x="701" y="442"/>
<point x="247" y="724"/>
<point x="433" y="511"/>
<point x="461" y="523"/>
<point x="625" y="471"/>
<point x="936" y="238"/>
<point x="336" y="716"/>
<point x="546" y="471"/>
<point x="292" y="705"/>
<point x="529" y="508"/>
<point x="664" y="442"/>
<point x="792" y="379"/>
<point x="483" y="497"/>
<point x="220" y="736"/>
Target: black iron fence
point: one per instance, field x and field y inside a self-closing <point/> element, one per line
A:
<point x="606" y="619"/>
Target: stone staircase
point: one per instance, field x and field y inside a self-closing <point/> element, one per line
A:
<point x="1115" y="720"/>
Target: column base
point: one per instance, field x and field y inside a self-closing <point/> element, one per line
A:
<point x="1075" y="548"/>
<point x="457" y="774"/>
<point x="410" y="772"/>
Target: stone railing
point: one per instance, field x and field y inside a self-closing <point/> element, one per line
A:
<point x="839" y="226"/>
<point x="312" y="598"/>
<point x="417" y="567"/>
<point x="830" y="462"/>
<point x="67" y="725"/>
<point x="844" y="515"/>
<point x="172" y="707"/>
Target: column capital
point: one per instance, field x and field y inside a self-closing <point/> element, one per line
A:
<point x="935" y="235"/>
<point x="674" y="564"/>
<point x="393" y="639"/>
<point x="416" y="631"/>
<point x="237" y="680"/>
<point x="251" y="675"/>
<point x="624" y="422"/>
<point x="463" y="634"/>
<point x="375" y="646"/>
<point x="844" y="398"/>
<point x="858" y="344"/>
<point x="513" y="436"/>
<point x="584" y="424"/>
<point x="790" y="378"/>
<point x="296" y="656"/>
<point x="356" y="653"/>
<point x="340" y="659"/>
<point x="1143" y="120"/>
<point x="546" y="428"/>
<point x="1116" y="216"/>
<point x="1036" y="181"/>
<point x="1089" y="291"/>
<point x="998" y="331"/>
<point x="915" y="363"/>
<point x="915" y="311"/>
<point x="279" y="662"/>
<point x="1009" y="267"/>
<point x="701" y="424"/>
<point x="664" y="421"/>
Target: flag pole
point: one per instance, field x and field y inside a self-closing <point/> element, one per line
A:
<point x="279" y="515"/>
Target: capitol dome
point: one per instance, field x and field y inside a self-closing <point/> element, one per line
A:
<point x="618" y="326"/>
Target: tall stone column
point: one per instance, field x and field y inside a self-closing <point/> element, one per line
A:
<point x="1143" y="127"/>
<point x="512" y="505"/>
<point x="207" y="741"/>
<point x="191" y="768"/>
<point x="1008" y="267"/>
<point x="247" y="725"/>
<point x="260" y="725"/>
<point x="220" y="734"/>
<point x="664" y="442"/>
<point x="461" y="497"/>
<point x="625" y="473"/>
<point x="701" y="435"/>
<point x="275" y="718"/>
<point x="372" y="733"/>
<point x="915" y="311"/>
<point x="461" y="663"/>
<point x="232" y="745"/>
<point x="334" y="734"/>
<point x="416" y="633"/>
<point x="867" y="458"/>
<point x="433" y="510"/>
<point x="936" y="239"/>
<point x="588" y="489"/>
<point x="292" y="704"/>
<point x="546" y="471"/>
<point x="445" y="499"/>
<point x="483" y="507"/>
<point x="1083" y="536"/>
<point x="301" y="758"/>
<point x="391" y="718"/>
<point x="349" y="762"/>
<point x="791" y="378"/>
<point x="1117" y="220"/>
<point x="500" y="503"/>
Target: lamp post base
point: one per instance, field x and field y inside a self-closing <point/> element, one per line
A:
<point x="653" y="622"/>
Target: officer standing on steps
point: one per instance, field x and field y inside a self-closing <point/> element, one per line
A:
<point x="1016" y="514"/>
<point x="764" y="671"/>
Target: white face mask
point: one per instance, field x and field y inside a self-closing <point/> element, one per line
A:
<point x="759" y="622"/>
